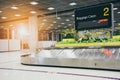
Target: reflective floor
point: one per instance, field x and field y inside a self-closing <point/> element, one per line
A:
<point x="11" y="69"/>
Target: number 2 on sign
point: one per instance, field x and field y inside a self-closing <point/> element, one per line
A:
<point x="106" y="11"/>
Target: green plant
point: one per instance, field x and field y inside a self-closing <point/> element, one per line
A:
<point x="69" y="33"/>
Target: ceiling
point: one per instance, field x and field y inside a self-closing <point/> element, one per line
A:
<point x="61" y="15"/>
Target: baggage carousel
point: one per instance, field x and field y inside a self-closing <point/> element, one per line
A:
<point x="92" y="58"/>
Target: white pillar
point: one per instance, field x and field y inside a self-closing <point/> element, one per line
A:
<point x="33" y="31"/>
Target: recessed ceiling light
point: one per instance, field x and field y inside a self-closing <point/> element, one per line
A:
<point x="43" y="24"/>
<point x="73" y="15"/>
<point x="17" y="15"/>
<point x="115" y="8"/>
<point x="67" y="20"/>
<point x="51" y="24"/>
<point x="33" y="3"/>
<point x="65" y="27"/>
<point x="54" y="22"/>
<point x="62" y="23"/>
<point x="69" y="24"/>
<point x="14" y="7"/>
<point x="33" y="12"/>
<point x="51" y="8"/>
<point x="44" y="20"/>
<point x="4" y="17"/>
<point x="59" y="25"/>
<point x="72" y="4"/>
<point x="58" y="17"/>
<point x="11" y="25"/>
<point x="118" y="12"/>
<point x="0" y="11"/>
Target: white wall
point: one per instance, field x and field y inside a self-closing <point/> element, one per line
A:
<point x="14" y="45"/>
<point x="10" y="45"/>
<point x="46" y="44"/>
<point x="3" y="45"/>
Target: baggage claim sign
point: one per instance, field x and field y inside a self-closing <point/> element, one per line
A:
<point x="99" y="16"/>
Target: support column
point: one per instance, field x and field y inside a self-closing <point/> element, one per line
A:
<point x="33" y="30"/>
<point x="57" y="36"/>
<point x="53" y="36"/>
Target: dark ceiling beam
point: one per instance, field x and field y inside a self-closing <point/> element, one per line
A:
<point x="59" y="12"/>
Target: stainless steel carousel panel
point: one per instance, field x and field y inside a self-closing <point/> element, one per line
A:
<point x="102" y="58"/>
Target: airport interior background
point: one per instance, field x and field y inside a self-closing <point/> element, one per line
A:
<point x="60" y="39"/>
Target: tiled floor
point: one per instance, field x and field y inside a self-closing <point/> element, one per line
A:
<point x="11" y="69"/>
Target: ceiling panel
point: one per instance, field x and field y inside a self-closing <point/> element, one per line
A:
<point x="62" y="9"/>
